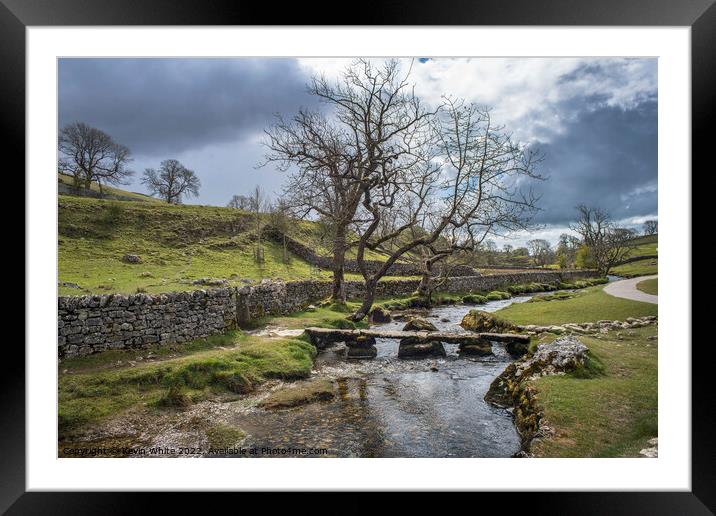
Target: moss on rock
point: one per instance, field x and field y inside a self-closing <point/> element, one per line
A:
<point x="480" y="321"/>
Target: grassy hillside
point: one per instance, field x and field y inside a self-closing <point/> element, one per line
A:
<point x="109" y="191"/>
<point x="177" y="245"/>
<point x="642" y="246"/>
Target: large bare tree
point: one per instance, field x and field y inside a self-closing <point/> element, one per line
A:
<point x="89" y="154"/>
<point x="607" y="244"/>
<point x="172" y="182"/>
<point x="366" y="138"/>
<point x="467" y="173"/>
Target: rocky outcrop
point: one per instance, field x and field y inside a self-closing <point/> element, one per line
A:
<point x="131" y="258"/>
<point x="379" y="315"/>
<point x="602" y="326"/>
<point x="479" y="321"/>
<point x="511" y="389"/>
<point x="361" y="347"/>
<point x="480" y="348"/>
<point x="419" y="324"/>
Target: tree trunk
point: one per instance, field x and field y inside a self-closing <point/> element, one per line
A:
<point x="338" y="294"/>
<point x="424" y="286"/>
<point x="368" y="298"/>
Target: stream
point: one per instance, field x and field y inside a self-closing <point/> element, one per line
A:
<point x="391" y="407"/>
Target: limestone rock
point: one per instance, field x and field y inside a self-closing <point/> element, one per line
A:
<point x="410" y="348"/>
<point x="362" y="352"/>
<point x="131" y="258"/>
<point x="479" y="321"/>
<point x="484" y="347"/>
<point x="379" y="315"/>
<point x="418" y="324"/>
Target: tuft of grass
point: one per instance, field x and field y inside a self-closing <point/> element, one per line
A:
<point x="121" y="357"/>
<point x="610" y="408"/>
<point x="322" y="317"/>
<point x="90" y="396"/>
<point x="474" y="299"/>
<point x="650" y="286"/>
<point x="222" y="435"/>
<point x="589" y="305"/>
<point x="557" y="296"/>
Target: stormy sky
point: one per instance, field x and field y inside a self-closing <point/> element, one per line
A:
<point x="595" y="120"/>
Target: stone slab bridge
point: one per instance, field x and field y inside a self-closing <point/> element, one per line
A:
<point x="361" y="343"/>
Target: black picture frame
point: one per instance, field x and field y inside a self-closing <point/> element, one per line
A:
<point x="700" y="15"/>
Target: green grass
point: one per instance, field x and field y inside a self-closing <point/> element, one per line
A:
<point x="87" y="397"/>
<point x="333" y="316"/>
<point x="646" y="267"/>
<point x="650" y="286"/>
<point x="591" y="304"/>
<point x="177" y="244"/>
<point x="610" y="408"/>
<point x="120" y="357"/>
<point x="109" y="190"/>
<point x="222" y="435"/>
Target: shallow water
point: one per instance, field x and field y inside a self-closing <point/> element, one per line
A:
<point x="390" y="407"/>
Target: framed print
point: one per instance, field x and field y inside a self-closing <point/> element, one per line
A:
<point x="422" y="250"/>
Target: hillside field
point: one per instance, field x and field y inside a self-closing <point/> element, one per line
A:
<point x="177" y="244"/>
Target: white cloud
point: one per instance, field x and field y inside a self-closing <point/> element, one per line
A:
<point x="528" y="95"/>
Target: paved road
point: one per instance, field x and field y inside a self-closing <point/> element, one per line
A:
<point x="627" y="289"/>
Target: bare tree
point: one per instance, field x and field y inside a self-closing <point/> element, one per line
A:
<point x="281" y="221"/>
<point x="540" y="250"/>
<point x="258" y="204"/>
<point x="607" y="244"/>
<point x="89" y="154"/>
<point x="469" y="168"/>
<point x="172" y="182"/>
<point x="651" y="227"/>
<point x="240" y="202"/>
<point x="376" y="121"/>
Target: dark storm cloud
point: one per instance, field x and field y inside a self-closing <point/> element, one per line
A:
<point x="604" y="157"/>
<point x="166" y="106"/>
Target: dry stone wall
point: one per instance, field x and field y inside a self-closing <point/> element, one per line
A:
<point x="324" y="262"/>
<point x="90" y="324"/>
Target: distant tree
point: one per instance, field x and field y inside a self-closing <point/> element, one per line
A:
<point x="507" y="249"/>
<point x="566" y="251"/>
<point x="281" y="221"/>
<point x="521" y="251"/>
<point x="172" y="182"/>
<point x="258" y="204"/>
<point x="650" y="227"/>
<point x="540" y="250"/>
<point x="89" y="154"/>
<point x="490" y="248"/>
<point x="607" y="244"/>
<point x="240" y="202"/>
